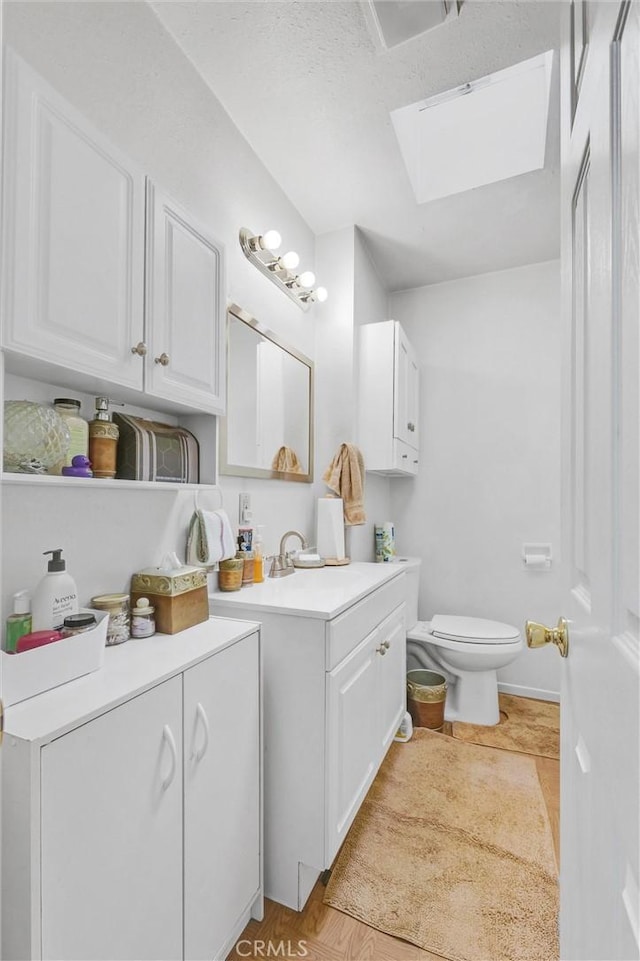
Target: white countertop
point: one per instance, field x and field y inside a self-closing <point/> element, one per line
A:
<point x="128" y="670"/>
<point x="317" y="592"/>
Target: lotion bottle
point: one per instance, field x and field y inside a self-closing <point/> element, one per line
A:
<point x="56" y="595"/>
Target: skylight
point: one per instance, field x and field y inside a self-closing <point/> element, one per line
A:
<point x="487" y="130"/>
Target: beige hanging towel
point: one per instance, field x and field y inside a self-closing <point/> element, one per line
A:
<point x="287" y="460"/>
<point x="345" y="477"/>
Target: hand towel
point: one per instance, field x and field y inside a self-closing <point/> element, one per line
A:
<point x="345" y="477"/>
<point x="210" y="538"/>
<point x="287" y="460"/>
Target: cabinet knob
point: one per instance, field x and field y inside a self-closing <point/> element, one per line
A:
<point x="404" y="456"/>
<point x="381" y="649"/>
<point x="163" y="359"/>
<point x="411" y="427"/>
<point x="386" y="645"/>
<point x="140" y="349"/>
<point x="415" y="462"/>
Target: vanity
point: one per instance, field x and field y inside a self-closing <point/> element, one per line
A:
<point x="131" y="808"/>
<point x="333" y="643"/>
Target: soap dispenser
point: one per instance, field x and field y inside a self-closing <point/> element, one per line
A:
<point x="56" y="595"/>
<point x="103" y="440"/>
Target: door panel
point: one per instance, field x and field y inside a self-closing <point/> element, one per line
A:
<point x="73" y="237"/>
<point x="185" y="307"/>
<point x="112" y="833"/>
<point x="222" y="795"/>
<point x="600" y="793"/>
<point x="352" y="740"/>
<point x="392" y="679"/>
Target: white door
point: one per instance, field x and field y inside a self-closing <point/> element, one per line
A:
<point x="111" y="833"/>
<point x="600" y="797"/>
<point x="404" y="388"/>
<point x="352" y="744"/>
<point x="222" y="796"/>
<point x="185" y="308"/>
<point x="392" y="678"/>
<point x="73" y="236"/>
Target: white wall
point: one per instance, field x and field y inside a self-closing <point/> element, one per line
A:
<point x="357" y="297"/>
<point x="489" y="350"/>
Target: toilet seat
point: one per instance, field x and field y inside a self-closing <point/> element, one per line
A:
<point x="472" y="630"/>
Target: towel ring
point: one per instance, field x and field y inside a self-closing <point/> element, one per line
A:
<point x="212" y="487"/>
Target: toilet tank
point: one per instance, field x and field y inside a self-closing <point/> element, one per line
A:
<point x="411" y="566"/>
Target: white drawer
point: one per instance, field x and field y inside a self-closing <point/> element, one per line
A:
<point x="405" y="458"/>
<point x="348" y="629"/>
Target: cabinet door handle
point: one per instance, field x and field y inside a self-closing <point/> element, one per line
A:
<point x="411" y="427"/>
<point x="201" y="713"/>
<point x="386" y="645"/>
<point x="404" y="456"/>
<point x="381" y="649"/>
<point x="140" y="349"/>
<point x="163" y="360"/>
<point x="415" y="462"/>
<point x="168" y="738"/>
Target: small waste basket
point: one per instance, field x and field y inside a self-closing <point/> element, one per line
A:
<point x="426" y="695"/>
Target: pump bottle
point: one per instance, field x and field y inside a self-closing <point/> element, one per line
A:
<point x="56" y="595"/>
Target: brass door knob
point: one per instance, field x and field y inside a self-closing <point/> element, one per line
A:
<point x="163" y="359"/>
<point x="140" y="349"/>
<point x="538" y="635"/>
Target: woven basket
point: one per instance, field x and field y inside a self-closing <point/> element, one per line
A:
<point x="230" y="574"/>
<point x="426" y="696"/>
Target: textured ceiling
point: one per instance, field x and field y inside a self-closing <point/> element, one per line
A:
<point x="311" y="92"/>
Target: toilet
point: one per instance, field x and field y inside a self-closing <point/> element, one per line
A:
<point x="467" y="650"/>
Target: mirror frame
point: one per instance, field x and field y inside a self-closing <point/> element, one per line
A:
<point x="238" y="470"/>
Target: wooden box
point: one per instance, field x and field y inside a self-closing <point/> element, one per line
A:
<point x="180" y="597"/>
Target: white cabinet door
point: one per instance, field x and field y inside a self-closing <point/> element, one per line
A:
<point x="184" y="308"/>
<point x="405" y="410"/>
<point x="391" y="699"/>
<point x="111" y="842"/>
<point x="73" y="239"/>
<point x="352" y="742"/>
<point x="222" y="796"/>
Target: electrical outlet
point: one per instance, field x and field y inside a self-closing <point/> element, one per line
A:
<point x="244" y="508"/>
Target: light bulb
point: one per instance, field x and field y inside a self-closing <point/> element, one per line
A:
<point x="290" y="260"/>
<point x="321" y="294"/>
<point x="307" y="278"/>
<point x="270" y="240"/>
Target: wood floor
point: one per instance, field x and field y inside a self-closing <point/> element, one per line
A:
<point x="321" y="933"/>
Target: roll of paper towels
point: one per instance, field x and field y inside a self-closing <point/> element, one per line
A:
<point x="330" y="529"/>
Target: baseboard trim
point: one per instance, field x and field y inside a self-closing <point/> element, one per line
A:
<point x="538" y="693"/>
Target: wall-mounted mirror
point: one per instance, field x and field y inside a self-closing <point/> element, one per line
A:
<point x="268" y="430"/>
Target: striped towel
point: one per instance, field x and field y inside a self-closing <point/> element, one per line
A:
<point x="210" y="538"/>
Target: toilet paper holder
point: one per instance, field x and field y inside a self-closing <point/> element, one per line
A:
<point x="537" y="557"/>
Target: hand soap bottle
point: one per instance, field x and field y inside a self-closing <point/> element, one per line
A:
<point x="18" y="623"/>
<point x="103" y="440"/>
<point x="56" y="595"/>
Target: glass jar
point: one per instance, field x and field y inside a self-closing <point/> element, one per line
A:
<point x="117" y="607"/>
<point x="69" y="410"/>
<point x="79" y="623"/>
<point x="143" y="623"/>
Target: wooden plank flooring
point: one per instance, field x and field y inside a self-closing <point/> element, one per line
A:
<point x="321" y="933"/>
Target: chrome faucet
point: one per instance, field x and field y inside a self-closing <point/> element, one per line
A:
<point x="282" y="563"/>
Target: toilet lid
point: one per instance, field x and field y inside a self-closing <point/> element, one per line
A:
<point x="473" y="630"/>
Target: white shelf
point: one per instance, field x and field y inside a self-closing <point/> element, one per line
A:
<point x="45" y="480"/>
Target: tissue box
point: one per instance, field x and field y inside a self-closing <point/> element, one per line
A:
<point x="180" y="596"/>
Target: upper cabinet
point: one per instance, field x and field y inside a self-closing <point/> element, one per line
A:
<point x="80" y="290"/>
<point x="185" y="308"/>
<point x="388" y="398"/>
<point x="73" y="241"/>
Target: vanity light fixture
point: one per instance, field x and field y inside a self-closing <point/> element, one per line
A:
<point x="259" y="249"/>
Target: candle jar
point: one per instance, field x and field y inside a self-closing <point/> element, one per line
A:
<point x="248" y="559"/>
<point x="117" y="607"/>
